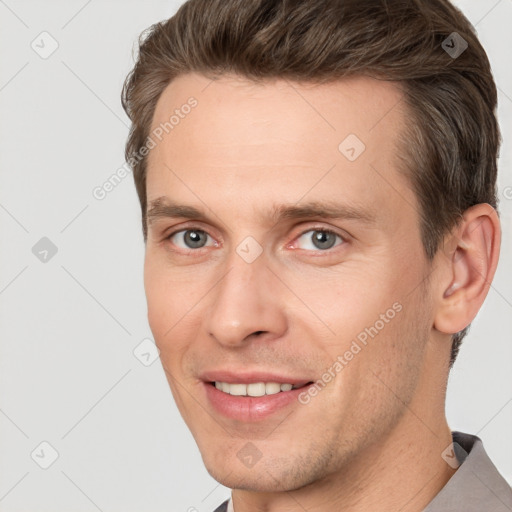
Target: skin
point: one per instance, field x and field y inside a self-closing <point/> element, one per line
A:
<point x="372" y="439"/>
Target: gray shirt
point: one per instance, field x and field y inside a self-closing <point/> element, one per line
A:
<point x="476" y="486"/>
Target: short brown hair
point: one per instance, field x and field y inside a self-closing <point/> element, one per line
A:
<point x="453" y="136"/>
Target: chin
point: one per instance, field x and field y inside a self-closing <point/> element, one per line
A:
<point x="264" y="476"/>
<point x="249" y="480"/>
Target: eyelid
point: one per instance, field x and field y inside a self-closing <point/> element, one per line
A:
<point x="192" y="226"/>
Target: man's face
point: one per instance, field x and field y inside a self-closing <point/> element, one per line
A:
<point x="240" y="293"/>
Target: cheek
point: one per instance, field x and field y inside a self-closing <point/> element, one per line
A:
<point x="367" y="322"/>
<point x="165" y="304"/>
<point x="157" y="296"/>
<point x="379" y="377"/>
<point x="395" y="356"/>
<point x="345" y="302"/>
<point x="175" y="307"/>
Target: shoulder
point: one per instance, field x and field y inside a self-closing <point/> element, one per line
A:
<point x="477" y="485"/>
<point x="223" y="507"/>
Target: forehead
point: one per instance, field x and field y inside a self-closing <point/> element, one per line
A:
<point x="235" y="110"/>
<point x="278" y="141"/>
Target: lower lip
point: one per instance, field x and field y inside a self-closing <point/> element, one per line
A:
<point x="250" y="408"/>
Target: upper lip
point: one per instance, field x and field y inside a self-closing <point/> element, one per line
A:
<point x="245" y="377"/>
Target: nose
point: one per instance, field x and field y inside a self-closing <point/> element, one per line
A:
<point x="246" y="304"/>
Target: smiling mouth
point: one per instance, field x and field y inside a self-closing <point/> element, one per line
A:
<point x="256" y="389"/>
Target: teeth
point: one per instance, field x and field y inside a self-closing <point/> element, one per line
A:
<point x="271" y="388"/>
<point x="253" y="389"/>
<point x="237" y="389"/>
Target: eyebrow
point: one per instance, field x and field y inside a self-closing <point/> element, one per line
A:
<point x="163" y="207"/>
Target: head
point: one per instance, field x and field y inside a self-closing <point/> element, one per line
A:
<point x="336" y="168"/>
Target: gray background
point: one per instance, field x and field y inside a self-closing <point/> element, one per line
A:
<point x="68" y="374"/>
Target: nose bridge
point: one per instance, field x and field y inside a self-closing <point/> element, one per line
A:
<point x="244" y="302"/>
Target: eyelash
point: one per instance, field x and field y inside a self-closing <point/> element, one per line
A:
<point x="311" y="229"/>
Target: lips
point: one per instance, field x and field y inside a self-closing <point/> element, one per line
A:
<point x="244" y="407"/>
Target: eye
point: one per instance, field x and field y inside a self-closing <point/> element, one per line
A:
<point x="322" y="239"/>
<point x="189" y="238"/>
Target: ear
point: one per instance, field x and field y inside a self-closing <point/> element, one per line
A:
<point x="470" y="259"/>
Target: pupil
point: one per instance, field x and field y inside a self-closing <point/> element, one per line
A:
<point x="323" y="239"/>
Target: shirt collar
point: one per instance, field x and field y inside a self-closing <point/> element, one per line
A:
<point x="476" y="485"/>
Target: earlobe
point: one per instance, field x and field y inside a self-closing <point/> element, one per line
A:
<point x="469" y="267"/>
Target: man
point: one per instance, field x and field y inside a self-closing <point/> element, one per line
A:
<point x="317" y="182"/>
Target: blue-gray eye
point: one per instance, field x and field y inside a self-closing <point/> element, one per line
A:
<point x="191" y="238"/>
<point x="320" y="239"/>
